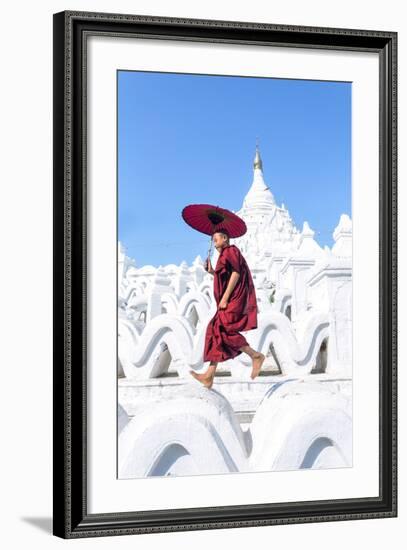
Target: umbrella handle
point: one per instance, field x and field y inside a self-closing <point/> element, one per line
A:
<point x="210" y="248"/>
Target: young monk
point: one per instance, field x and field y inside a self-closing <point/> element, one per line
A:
<point x="237" y="310"/>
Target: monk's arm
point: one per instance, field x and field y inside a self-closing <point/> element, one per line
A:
<point x="234" y="277"/>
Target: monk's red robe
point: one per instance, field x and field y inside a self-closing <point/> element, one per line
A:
<point x="222" y="338"/>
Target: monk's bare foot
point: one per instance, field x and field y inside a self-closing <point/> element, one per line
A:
<point x="258" y="360"/>
<point x="205" y="378"/>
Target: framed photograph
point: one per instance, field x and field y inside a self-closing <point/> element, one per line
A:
<point x="225" y="274"/>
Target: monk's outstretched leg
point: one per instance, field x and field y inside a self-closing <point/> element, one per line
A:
<point x="207" y="377"/>
<point x="257" y="360"/>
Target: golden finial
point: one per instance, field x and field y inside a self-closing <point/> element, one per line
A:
<point x="257" y="159"/>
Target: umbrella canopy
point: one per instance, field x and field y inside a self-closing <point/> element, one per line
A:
<point x="209" y="219"/>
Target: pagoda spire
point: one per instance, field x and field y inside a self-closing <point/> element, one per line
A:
<point x="259" y="194"/>
<point x="258" y="163"/>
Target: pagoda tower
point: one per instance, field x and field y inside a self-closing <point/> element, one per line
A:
<point x="270" y="228"/>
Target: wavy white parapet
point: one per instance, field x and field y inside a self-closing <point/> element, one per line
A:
<point x="197" y="428"/>
<point x="297" y="425"/>
<point x="301" y="423"/>
<point x="172" y="337"/>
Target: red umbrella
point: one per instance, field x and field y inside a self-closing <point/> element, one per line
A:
<point x="209" y="219"/>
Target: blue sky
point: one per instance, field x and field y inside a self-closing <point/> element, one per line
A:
<point x="186" y="139"/>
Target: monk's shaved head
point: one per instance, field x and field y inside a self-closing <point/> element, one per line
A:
<point x="222" y="235"/>
<point x="220" y="238"/>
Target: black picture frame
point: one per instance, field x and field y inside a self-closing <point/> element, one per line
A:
<point x="70" y="516"/>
